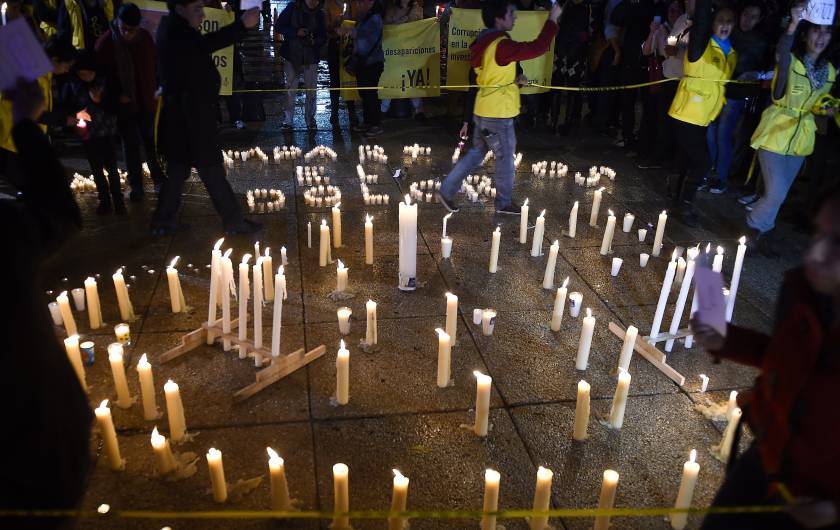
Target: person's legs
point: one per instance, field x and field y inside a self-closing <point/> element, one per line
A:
<point x="727" y="123"/>
<point x="385" y="106"/>
<point x="93" y="152"/>
<point x="712" y="142"/>
<point x="664" y="145"/>
<point x="335" y="73"/>
<point x="129" y="130"/>
<point x="310" y="80"/>
<point x="369" y="76"/>
<point x="147" y="133"/>
<point x="291" y="84"/>
<point x="221" y="194"/>
<point x="417" y="104"/>
<point x="452" y="182"/>
<point x="504" y="153"/>
<point x="109" y="159"/>
<point x="779" y="172"/>
<point x="169" y="200"/>
<point x="692" y="140"/>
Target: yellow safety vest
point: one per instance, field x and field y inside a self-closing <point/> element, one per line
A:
<point x="77" y="22"/>
<point x="501" y="100"/>
<point x="49" y="29"/>
<point x="699" y="100"/>
<point x="6" y="141"/>
<point x="787" y="126"/>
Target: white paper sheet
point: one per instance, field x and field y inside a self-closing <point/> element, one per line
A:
<point x="711" y="306"/>
<point x="21" y="55"/>
<point x="820" y="12"/>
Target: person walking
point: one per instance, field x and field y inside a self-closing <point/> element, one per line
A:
<point x="187" y="131"/>
<point x="494" y="56"/>
<point x="571" y="49"/>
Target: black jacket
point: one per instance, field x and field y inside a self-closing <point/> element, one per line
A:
<point x="190" y="81"/>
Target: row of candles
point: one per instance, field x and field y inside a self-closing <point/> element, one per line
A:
<point x="260" y="200"/>
<point x="517" y="158"/>
<point x="375" y="153"/>
<point x="81" y="183"/>
<point x="320" y="151"/>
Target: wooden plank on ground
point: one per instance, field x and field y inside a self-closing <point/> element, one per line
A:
<point x="653" y="355"/>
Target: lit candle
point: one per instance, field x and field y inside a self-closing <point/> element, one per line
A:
<point x="663" y="298"/>
<point x="324" y="251"/>
<point x="681" y="266"/>
<point x="217" y="474"/>
<point x="268" y="275"/>
<point x="491" y="498"/>
<point x="277" y="320"/>
<point x="444" y="366"/>
<point x="494" y="250"/>
<point x="244" y="295"/>
<point x="176" y="294"/>
<point x="607" y="498"/>
<point x="341" y="495"/>
<point x="66" y="314"/>
<point x="627" y="348"/>
<point x="732" y="404"/>
<point x="371" y="337"/>
<point x="736" y="277"/>
<point x="717" y="263"/>
<point x="725" y="448"/>
<point x="147" y="388"/>
<point x="619" y="402"/>
<point x="539" y="230"/>
<point x="126" y="309"/>
<point x="309" y="234"/>
<point x="342" y="375"/>
<point x="704" y="382"/>
<point x="523" y="222"/>
<point x="399" y="499"/>
<point x="446" y="247"/>
<point x="343" y="314"/>
<point x="408" y="245"/>
<point x="585" y="342"/>
<point x="3" y="16"/>
<point x="175" y="411"/>
<point x="691" y="470"/>
<point x="341" y="277"/>
<point x="280" y="500"/>
<point x="682" y="297"/>
<point x="215" y="280"/>
<point x="226" y="282"/>
<point x="559" y="306"/>
<point x="115" y="357"/>
<point x="451" y="316"/>
<point x="488" y="322"/>
<point x="482" y="402"/>
<point x="55" y="313"/>
<point x="445" y="219"/>
<point x="258" y="303"/>
<point x="573" y="215"/>
<point x="71" y="347"/>
<point x="336" y="219"/>
<point x="78" y="298"/>
<point x="660" y="233"/>
<point x="581" y="411"/>
<point x="284" y="258"/>
<point x="109" y="436"/>
<point x="163" y="453"/>
<point x="596" y="206"/>
<point x="368" y="240"/>
<point x="542" y="499"/>
<point x="548" y="276"/>
<point x="628" y="222"/>
<point x="606" y="242"/>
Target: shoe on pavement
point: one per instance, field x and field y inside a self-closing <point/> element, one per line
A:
<point x="748" y="199"/>
<point x="449" y="205"/>
<point x="703" y="186"/>
<point x="719" y="188"/>
<point x="358" y="127"/>
<point x="245" y="226"/>
<point x="374" y="130"/>
<point x="510" y="209"/>
<point x="239" y="124"/>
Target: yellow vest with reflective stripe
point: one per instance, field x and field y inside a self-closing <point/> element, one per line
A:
<point x="49" y="28"/>
<point x="501" y="99"/>
<point x="700" y="97"/>
<point x="6" y="141"/>
<point x="787" y="126"/>
<point x="77" y="20"/>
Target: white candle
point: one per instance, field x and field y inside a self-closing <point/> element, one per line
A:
<point x="163" y="453"/>
<point x="488" y="322"/>
<point x="336" y="219"/>
<point x="368" y="240"/>
<point x="277" y="321"/>
<point x="55" y="313"/>
<point x="682" y="297"/>
<point x="408" y="245"/>
<point x="606" y="242"/>
<point x="494" y="250"/>
<point x="596" y="206"/>
<point x="115" y="357"/>
<point x="109" y="436"/>
<point x="732" y="404"/>
<point x="268" y="275"/>
<point x="244" y="295"/>
<point x="147" y="388"/>
<point x="628" y="222"/>
<point x="226" y="281"/>
<point x="444" y="366"/>
<point x="78" y="298"/>
<point x="124" y="301"/>
<point x="324" y="252"/>
<point x="539" y="230"/>
<point x="643" y="259"/>
<point x="548" y="276"/>
<point x="491" y="498"/>
<point x="691" y="470"/>
<point x="122" y="332"/>
<point x="581" y="411"/>
<point x="681" y="266"/>
<point x="542" y="498"/>
<point x="74" y="355"/>
<point x="559" y="306"/>
<point x="663" y="299"/>
<point x="660" y="233"/>
<point x="619" y="402"/>
<point x="446" y="247"/>
<point x="704" y="382"/>
<point x="343" y="314"/>
<point x="258" y="303"/>
<point x="399" y="500"/>
<point x="341" y="495"/>
<point x="573" y="215"/>
<point x="217" y="474"/>
<point x="341" y="277"/>
<point x="176" y="294"/>
<point x="642" y="234"/>
<point x="616" y="266"/>
<point x="736" y="277"/>
<point x="575" y="304"/>
<point x="280" y="500"/>
<point x="585" y="342"/>
<point x="342" y="375"/>
<point x="717" y="263"/>
<point x="523" y="222"/>
<point x="607" y="498"/>
<point x="451" y="316"/>
<point x="371" y="335"/>
<point x="215" y="280"/>
<point x="627" y="348"/>
<point x="175" y="411"/>
<point x="66" y="314"/>
<point x="728" y="439"/>
<point x="483" y="384"/>
<point x="309" y="234"/>
<point x="284" y="258"/>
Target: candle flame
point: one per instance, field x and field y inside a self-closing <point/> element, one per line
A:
<point x="498" y="229"/>
<point x="281" y="270"/>
<point x="602" y="188"/>
<point x="542" y="214"/>
<point x="566" y="282"/>
<point x="368" y="218"/>
<point x="245" y="259"/>
<point x="524" y="204"/>
<point x="397" y="473"/>
<point x="174" y="261"/>
<point x="576" y="203"/>
<point x="340" y="265"/>
<point x="272" y="454"/>
<point x="588" y="312"/>
<point x="720" y="250"/>
<point x="477" y="373"/>
<point x="440" y="332"/>
<point x="323" y="222"/>
<point x="610" y="212"/>
<point x="664" y="212"/>
<point x="227" y="253"/>
<point x="119" y="272"/>
<point x="692" y="456"/>
<point x="407" y="200"/>
<point x="341" y="347"/>
<point x="267" y="252"/>
<point x="742" y="240"/>
<point x="337" y="206"/>
<point x="708" y="247"/>
<point x="214" y="452"/>
<point x="733" y="396"/>
<point x="218" y="244"/>
<point x="156" y="435"/>
<point x="104" y="404"/>
<point x="81" y="123"/>
<point x="142" y="360"/>
<point x="447" y="216"/>
<point x="704" y="377"/>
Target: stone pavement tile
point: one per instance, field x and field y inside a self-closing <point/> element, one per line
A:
<point x="531" y="364"/>
<point x="648" y="453"/>
<point x="444" y="463"/>
<point x="244" y="455"/>
<point x="279" y="230"/>
<point x="377" y="282"/>
<point x="400" y="377"/>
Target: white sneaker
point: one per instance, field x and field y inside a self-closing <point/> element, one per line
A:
<point x="239" y="124"/>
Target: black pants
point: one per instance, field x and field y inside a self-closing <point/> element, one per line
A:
<point x="138" y="132"/>
<point x="214" y="179"/>
<point x="101" y="155"/>
<point x="663" y="149"/>
<point x="334" y="64"/>
<point x="368" y="75"/>
<point x="691" y="141"/>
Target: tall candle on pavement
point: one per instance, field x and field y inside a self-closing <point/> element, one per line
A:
<point x="399" y="500"/>
<point x="215" y="280"/>
<point x="682" y="297"/>
<point x="368" y="240"/>
<point x="607" y="498"/>
<point x="324" y="252"/>
<point x="277" y="322"/>
<point x="109" y="436"/>
<point x="244" y="296"/>
<point x="67" y="314"/>
<point x="660" y="233"/>
<point x="258" y="303"/>
<point x="71" y="347"/>
<point x="596" y="206"/>
<point x="341" y="277"/>
<point x="573" y="215"/>
<point x="627" y="347"/>
<point x="663" y="298"/>
<point x="444" y="366"/>
<point x="585" y="342"/>
<point x="175" y="411"/>
<point x="542" y="499"/>
<point x="539" y="230"/>
<point x="581" y="411"/>
<point x="336" y="219"/>
<point x="736" y="277"/>
<point x="548" y="276"/>
<point x="408" y="245"/>
<point x="341" y="496"/>
<point x="124" y="301"/>
<point x="226" y="281"/>
<point x="728" y="439"/>
<point x="93" y="304"/>
<point x="691" y="470"/>
<point x="523" y="222"/>
<point x="559" y="306"/>
<point x="371" y="332"/>
<point x="451" y="316"/>
<point x="217" y="474"/>
<point x="606" y="242"/>
<point x="342" y="375"/>
<point x="176" y="294"/>
<point x="491" y="498"/>
<point x="494" y="250"/>
<point x="619" y="403"/>
<point x="115" y="357"/>
<point x="717" y="262"/>
<point x="147" y="388"/>
<point x="163" y="453"/>
<point x="280" y="500"/>
<point x="268" y="275"/>
<point x="483" y="384"/>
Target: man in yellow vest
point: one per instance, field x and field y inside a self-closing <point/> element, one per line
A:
<point x="494" y="59"/>
<point x="81" y="22"/>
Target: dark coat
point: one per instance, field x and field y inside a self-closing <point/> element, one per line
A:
<point x="301" y="50"/>
<point x="190" y="82"/>
<point x="142" y="50"/>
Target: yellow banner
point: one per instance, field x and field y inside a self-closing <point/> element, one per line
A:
<point x="466" y="24"/>
<point x="412" y="61"/>
<point x="153" y="11"/>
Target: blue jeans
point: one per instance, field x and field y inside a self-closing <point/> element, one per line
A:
<point x="778" y="173"/>
<point x="721" y="137"/>
<point x="498" y="135"/>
